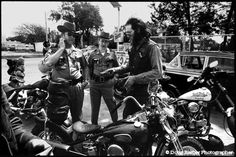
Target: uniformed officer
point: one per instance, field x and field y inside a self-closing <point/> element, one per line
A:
<point x="67" y="67"/>
<point x="99" y="60"/>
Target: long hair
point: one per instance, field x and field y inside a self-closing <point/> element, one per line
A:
<point x="140" y="30"/>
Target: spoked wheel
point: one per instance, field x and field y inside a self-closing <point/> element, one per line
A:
<point x="50" y="136"/>
<point x="191" y="147"/>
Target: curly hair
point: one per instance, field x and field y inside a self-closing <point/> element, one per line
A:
<point x="140" y="30"/>
<point x="138" y="26"/>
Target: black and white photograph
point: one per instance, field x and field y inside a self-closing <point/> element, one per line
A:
<point x="109" y="78"/>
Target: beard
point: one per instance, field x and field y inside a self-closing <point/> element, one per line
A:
<point x="137" y="37"/>
<point x="69" y="42"/>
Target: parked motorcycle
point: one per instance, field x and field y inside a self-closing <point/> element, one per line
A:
<point x="154" y="134"/>
<point x="193" y="109"/>
<point x="120" y="93"/>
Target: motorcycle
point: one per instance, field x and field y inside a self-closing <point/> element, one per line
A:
<point x="193" y="109"/>
<point x="28" y="96"/>
<point x="154" y="134"/>
<point x="166" y="85"/>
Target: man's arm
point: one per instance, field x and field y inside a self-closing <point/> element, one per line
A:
<point x="156" y="63"/>
<point x="49" y="60"/>
<point x="85" y="69"/>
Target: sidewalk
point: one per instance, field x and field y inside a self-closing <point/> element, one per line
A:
<point x="14" y="54"/>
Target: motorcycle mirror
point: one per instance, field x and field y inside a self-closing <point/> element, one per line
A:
<point x="213" y="64"/>
<point x="190" y="79"/>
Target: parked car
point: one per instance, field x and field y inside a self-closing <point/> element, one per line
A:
<point x="187" y="64"/>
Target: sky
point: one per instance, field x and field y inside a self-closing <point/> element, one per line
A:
<point x="16" y="13"/>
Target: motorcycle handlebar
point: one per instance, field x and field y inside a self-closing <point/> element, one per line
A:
<point x="29" y="110"/>
<point x="211" y="72"/>
<point x="124" y="100"/>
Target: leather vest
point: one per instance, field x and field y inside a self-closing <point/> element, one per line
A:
<point x="139" y="60"/>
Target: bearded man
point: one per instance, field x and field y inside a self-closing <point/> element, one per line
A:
<point x="144" y="64"/>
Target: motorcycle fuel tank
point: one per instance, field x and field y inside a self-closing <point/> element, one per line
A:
<point x="203" y="94"/>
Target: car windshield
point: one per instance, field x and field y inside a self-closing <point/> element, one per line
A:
<point x="192" y="62"/>
<point x="226" y="64"/>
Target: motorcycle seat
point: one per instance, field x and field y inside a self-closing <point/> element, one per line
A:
<point x="85" y="128"/>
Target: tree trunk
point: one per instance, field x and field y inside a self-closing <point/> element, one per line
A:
<point x="88" y="37"/>
<point x="227" y="25"/>
<point x="81" y="40"/>
<point x="187" y="9"/>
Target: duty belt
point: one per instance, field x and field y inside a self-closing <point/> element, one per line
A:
<point x="68" y="82"/>
<point x="100" y="79"/>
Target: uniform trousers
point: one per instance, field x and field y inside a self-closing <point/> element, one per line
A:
<point x="105" y="90"/>
<point x="63" y="97"/>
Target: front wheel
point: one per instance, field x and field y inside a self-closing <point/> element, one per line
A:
<point x="191" y="147"/>
<point x="50" y="134"/>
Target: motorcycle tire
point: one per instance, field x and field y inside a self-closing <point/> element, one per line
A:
<point x="231" y="123"/>
<point x="190" y="146"/>
<point x="54" y="135"/>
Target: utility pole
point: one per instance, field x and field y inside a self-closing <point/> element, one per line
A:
<point x="117" y="5"/>
<point x="46" y="26"/>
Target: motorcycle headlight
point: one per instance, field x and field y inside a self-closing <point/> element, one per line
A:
<point x="193" y="107"/>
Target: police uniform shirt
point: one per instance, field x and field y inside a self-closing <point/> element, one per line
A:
<point x="67" y="67"/>
<point x="99" y="62"/>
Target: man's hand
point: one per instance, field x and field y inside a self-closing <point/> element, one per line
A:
<point x="129" y="82"/>
<point x="62" y="43"/>
<point x="108" y="71"/>
<point x="38" y="146"/>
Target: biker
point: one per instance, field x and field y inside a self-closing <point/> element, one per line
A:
<point x="14" y="140"/>
<point x="16" y="72"/>
<point x="144" y="64"/>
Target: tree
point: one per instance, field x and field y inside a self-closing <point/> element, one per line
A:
<point x="193" y="18"/>
<point x="30" y="33"/>
<point x="85" y="16"/>
<point x="229" y="24"/>
<point x="19" y="38"/>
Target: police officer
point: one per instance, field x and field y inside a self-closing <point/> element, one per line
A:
<point x="99" y="60"/>
<point x="67" y="66"/>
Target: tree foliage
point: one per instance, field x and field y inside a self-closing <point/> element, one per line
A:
<point x="194" y="18"/>
<point x="29" y="33"/>
<point x="85" y="16"/>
